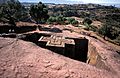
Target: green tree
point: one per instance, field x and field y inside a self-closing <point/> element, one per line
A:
<point x="72" y="21"/>
<point x="51" y="20"/>
<point x="12" y="11"/>
<point x="39" y="12"/>
<point x="110" y="28"/>
<point x="87" y="21"/>
<point x="104" y="30"/>
<point x="58" y="19"/>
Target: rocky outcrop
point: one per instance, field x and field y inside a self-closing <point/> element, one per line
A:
<point x="20" y="59"/>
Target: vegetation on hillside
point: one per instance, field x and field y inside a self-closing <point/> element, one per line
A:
<point x="61" y="20"/>
<point x="11" y="12"/>
<point x="111" y="28"/>
<point x="108" y="15"/>
<point x="39" y="12"/>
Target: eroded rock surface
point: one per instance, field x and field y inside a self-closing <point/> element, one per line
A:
<point x="21" y="59"/>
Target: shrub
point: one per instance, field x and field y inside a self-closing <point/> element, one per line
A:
<point x="72" y="21"/>
<point x="58" y="19"/>
<point x="87" y="21"/>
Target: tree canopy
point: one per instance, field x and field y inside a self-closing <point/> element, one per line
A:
<point x="12" y="11"/>
<point x="109" y="30"/>
<point x="39" y="12"/>
<point x="87" y="21"/>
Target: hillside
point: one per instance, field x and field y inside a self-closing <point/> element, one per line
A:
<point x="59" y="41"/>
<point x="4" y="1"/>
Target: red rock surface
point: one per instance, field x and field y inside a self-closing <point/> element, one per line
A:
<point x="20" y="59"/>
